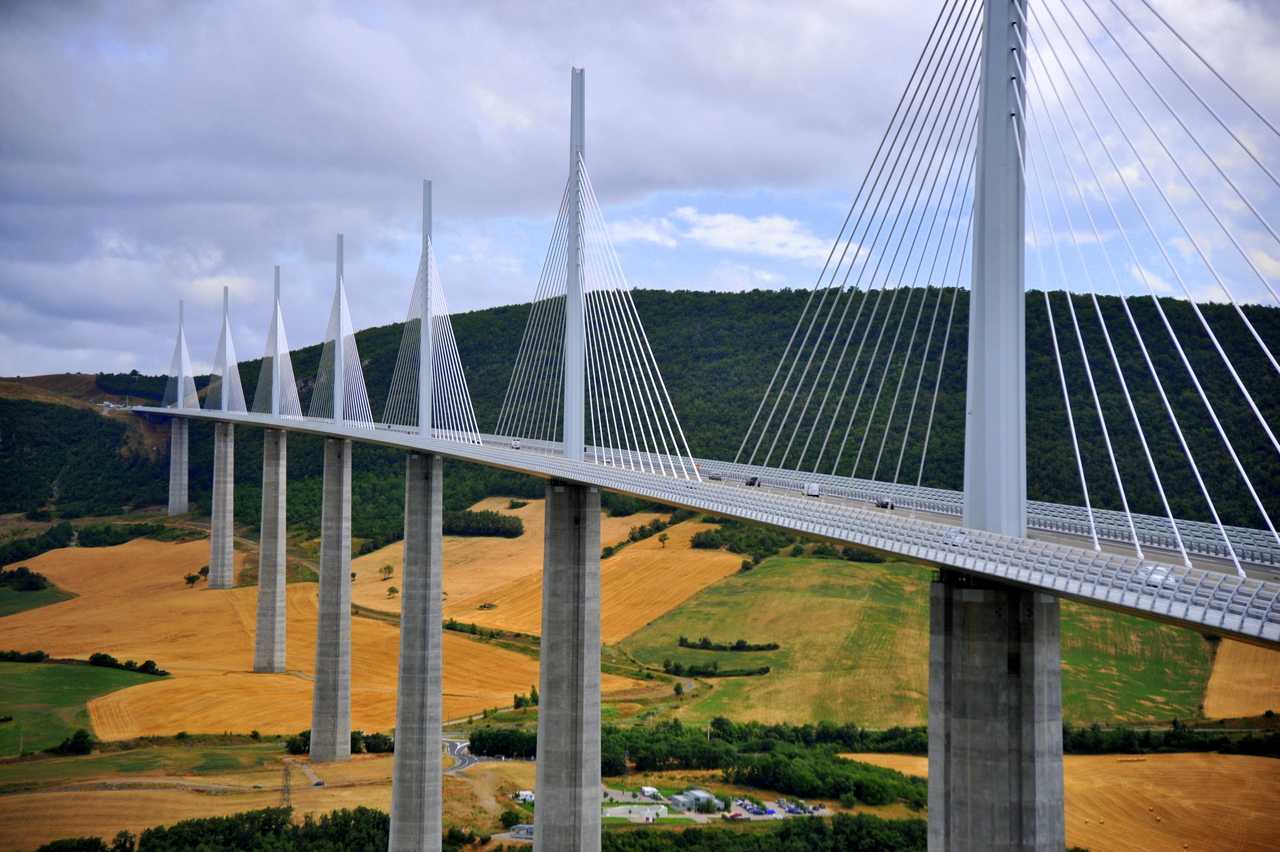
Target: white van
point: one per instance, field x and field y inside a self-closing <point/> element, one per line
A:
<point x="811" y="490"/>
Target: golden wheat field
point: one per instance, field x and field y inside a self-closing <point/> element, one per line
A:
<point x="132" y="602"/>
<point x="474" y="565"/>
<point x="637" y="584"/>
<point x="1245" y="681"/>
<point x="1137" y="803"/>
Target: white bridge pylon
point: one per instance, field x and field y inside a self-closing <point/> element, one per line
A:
<point x="429" y="390"/>
<point x="585" y="377"/>
<point x="277" y="391"/>
<point x="339" y="392"/>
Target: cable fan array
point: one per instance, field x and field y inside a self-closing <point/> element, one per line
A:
<point x="630" y="420"/>
<point x="340" y="383"/>
<point x="225" y="392"/>
<point x="180" y="386"/>
<point x="452" y="417"/>
<point x="1147" y="193"/>
<point x="277" y="369"/>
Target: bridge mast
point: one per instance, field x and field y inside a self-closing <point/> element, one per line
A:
<point x="426" y="361"/>
<point x="995" y="683"/>
<point x="995" y="451"/>
<point x="574" y="328"/>
<point x="339" y="359"/>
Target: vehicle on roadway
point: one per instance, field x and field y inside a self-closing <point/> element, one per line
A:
<point x="752" y="482"/>
<point x="812" y="490"/>
<point x="884" y="503"/>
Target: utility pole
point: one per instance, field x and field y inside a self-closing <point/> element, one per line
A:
<point x="574" y="327"/>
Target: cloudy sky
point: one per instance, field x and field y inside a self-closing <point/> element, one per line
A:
<point x="151" y="151"/>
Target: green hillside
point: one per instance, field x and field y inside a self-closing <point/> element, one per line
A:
<point x="854" y="647"/>
<point x="717" y="351"/>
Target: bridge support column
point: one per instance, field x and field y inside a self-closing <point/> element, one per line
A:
<point x="995" y="718"/>
<point x="416" y="822"/>
<point x="222" y="570"/>
<point x="178" y="466"/>
<point x="331" y="701"/>
<point x="269" y="641"/>
<point x="568" y="774"/>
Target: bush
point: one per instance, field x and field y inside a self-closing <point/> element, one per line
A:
<point x="23" y="656"/>
<point x="59" y="535"/>
<point x="299" y="743"/>
<point x="23" y="579"/>
<point x="379" y="744"/>
<point x="510" y="818"/>
<point x="357" y="742"/>
<point x="81" y="742"/>
<point x="148" y="667"/>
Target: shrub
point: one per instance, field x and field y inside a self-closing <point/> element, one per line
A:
<point x="23" y="656"/>
<point x="510" y="818"/>
<point x="299" y="743"/>
<point x="81" y="742"/>
<point x="357" y="742"/>
<point x="379" y="744"/>
<point x="23" y="579"/>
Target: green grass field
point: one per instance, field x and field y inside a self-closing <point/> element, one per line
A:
<point x="12" y="601"/>
<point x="47" y="701"/>
<point x="855" y="643"/>
<point x="168" y="758"/>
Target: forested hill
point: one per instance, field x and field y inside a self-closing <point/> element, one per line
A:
<point x="717" y="352"/>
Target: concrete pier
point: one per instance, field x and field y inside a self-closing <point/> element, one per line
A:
<point x="331" y="701"/>
<point x="178" y="464"/>
<point x="416" y="822"/>
<point x="568" y="774"/>
<point x="995" y="718"/>
<point x="269" y="641"/>
<point x="222" y="571"/>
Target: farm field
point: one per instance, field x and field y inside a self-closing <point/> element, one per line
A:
<point x="12" y="601"/>
<point x="638" y="584"/>
<point x="134" y="790"/>
<point x="1130" y="803"/>
<point x="1245" y="681"/>
<point x="474" y="566"/>
<point x="47" y="701"/>
<point x="854" y="647"/>
<point x="132" y="602"/>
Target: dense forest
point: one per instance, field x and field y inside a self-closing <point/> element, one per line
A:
<point x="717" y="352"/>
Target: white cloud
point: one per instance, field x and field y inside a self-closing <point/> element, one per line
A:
<point x="768" y="236"/>
<point x="660" y="232"/>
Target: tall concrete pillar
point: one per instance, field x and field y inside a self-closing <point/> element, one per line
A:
<point x="568" y="774"/>
<point x="178" y="464"/>
<point x="331" y="697"/>
<point x="995" y="718"/>
<point x="416" y="823"/>
<point x="269" y="641"/>
<point x="222" y="572"/>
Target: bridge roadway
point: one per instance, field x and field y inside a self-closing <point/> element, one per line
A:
<point x="1211" y="601"/>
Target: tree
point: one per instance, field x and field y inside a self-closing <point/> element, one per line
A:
<point x="533" y="695"/>
<point x="387" y="571"/>
<point x="392" y="591"/>
<point x="509" y="818"/>
<point x="192" y="579"/>
<point x="678" y="689"/>
<point x="663" y="539"/>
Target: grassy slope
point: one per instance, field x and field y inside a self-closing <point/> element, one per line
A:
<point x="194" y="758"/>
<point x="47" y="701"/>
<point x="855" y="648"/>
<point x="12" y="601"/>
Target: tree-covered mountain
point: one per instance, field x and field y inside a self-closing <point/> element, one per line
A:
<point x="717" y="352"/>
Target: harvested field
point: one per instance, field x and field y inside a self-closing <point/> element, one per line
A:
<point x="638" y="584"/>
<point x="1132" y="803"/>
<point x="134" y="801"/>
<point x="1245" y="681"/>
<point x="133" y="603"/>
<point x="477" y="565"/>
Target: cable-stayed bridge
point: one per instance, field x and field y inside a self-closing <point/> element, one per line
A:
<point x="1081" y="147"/>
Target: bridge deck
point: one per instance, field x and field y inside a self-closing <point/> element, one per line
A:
<point x="1206" y="600"/>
